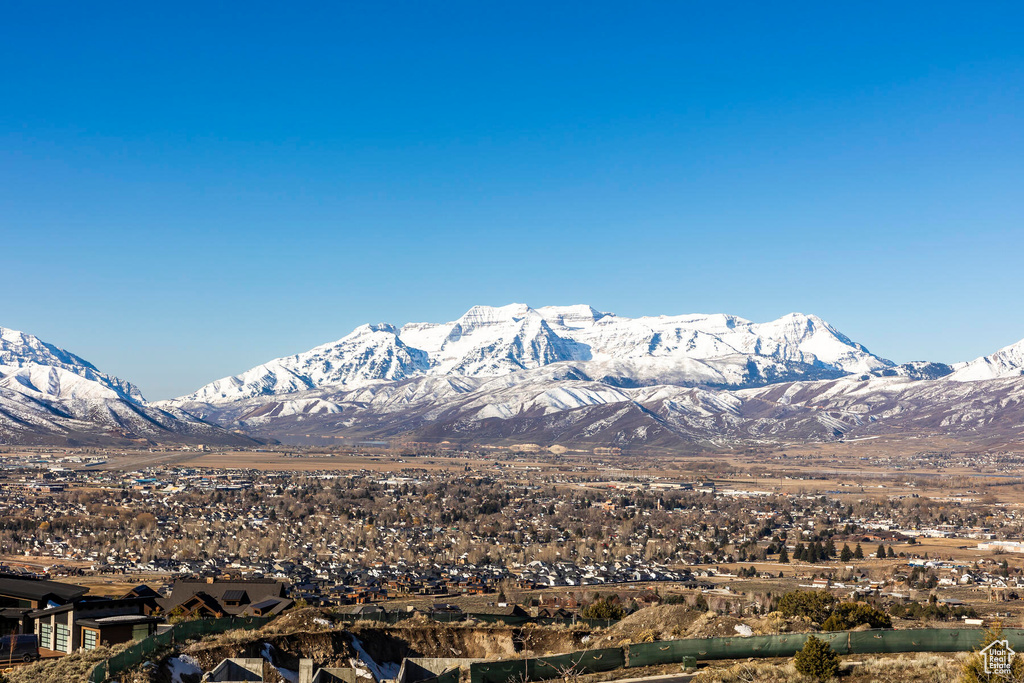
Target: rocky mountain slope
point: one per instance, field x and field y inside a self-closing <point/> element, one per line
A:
<point x="574" y="374"/>
<point x="693" y="350"/>
<point x="1006" y="362"/>
<point x="51" y="396"/>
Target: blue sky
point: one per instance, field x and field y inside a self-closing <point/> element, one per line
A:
<point x="188" y="190"/>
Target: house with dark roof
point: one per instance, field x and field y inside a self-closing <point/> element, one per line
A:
<point x="214" y="598"/>
<point x="20" y="595"/>
<point x="90" y="622"/>
<point x="148" y="596"/>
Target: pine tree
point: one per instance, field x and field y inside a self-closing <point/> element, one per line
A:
<point x="783" y="555"/>
<point x="858" y="553"/>
<point x="830" y="548"/>
<point x="890" y="553"/>
<point x="846" y="555"/>
<point x="817" y="659"/>
<point x="880" y="553"/>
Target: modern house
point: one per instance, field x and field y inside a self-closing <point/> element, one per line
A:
<point x="90" y="622"/>
<point x="21" y="595"/>
<point x="214" y="598"/>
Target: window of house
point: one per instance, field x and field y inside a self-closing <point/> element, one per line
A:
<point x="88" y="639"/>
<point x="61" y="638"/>
<point x="46" y="636"/>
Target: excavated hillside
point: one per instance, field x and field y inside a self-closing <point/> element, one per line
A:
<point x="313" y="634"/>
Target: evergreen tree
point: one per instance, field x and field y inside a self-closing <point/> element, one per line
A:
<point x="830" y="548"/>
<point x="890" y="553"/>
<point x="849" y="615"/>
<point x="858" y="553"/>
<point x="846" y="555"/>
<point x="783" y="555"/>
<point x="817" y="659"/>
<point x="880" y="553"/>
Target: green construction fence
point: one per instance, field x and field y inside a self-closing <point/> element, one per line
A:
<point x="187" y="630"/>
<point x="546" y="668"/>
<point x="689" y="651"/>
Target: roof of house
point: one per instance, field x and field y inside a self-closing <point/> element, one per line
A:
<point x="119" y="620"/>
<point x="216" y="594"/>
<point x="37" y="589"/>
<point x="207" y="600"/>
<point x="85" y="604"/>
<point x="142" y="591"/>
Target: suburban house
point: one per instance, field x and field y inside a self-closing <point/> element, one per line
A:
<point x="21" y="595"/>
<point x="149" y="597"/>
<point x="214" y="598"/>
<point x="90" y="622"/>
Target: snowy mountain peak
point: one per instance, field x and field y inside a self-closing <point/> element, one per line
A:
<point x="1006" y="362"/>
<point x="18" y="348"/>
<point x="487" y="316"/>
<point x="499" y="341"/>
<point x="572" y="316"/>
<point x="26" y="359"/>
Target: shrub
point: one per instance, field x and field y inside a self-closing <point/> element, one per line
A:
<point x="602" y="608"/>
<point x="852" y="614"/>
<point x="817" y="659"/>
<point x="815" y="605"/>
<point x="932" y="611"/>
<point x="648" y="635"/>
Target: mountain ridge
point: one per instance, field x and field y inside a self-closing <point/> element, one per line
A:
<point x="554" y="374"/>
<point x="51" y="396"/>
<point x="574" y="373"/>
<point x="717" y="349"/>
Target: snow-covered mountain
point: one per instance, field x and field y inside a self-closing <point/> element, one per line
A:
<point x="560" y="404"/>
<point x="687" y="350"/>
<point x="51" y="396"/>
<point x="1006" y="362"/>
<point x="556" y="374"/>
<point x="30" y="353"/>
<point x="562" y="374"/>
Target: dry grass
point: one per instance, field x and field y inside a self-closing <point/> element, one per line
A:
<point x="920" y="667"/>
<point x="753" y="672"/>
<point x="74" y="667"/>
<point x="903" y="668"/>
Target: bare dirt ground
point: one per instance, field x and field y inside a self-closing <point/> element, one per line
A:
<point x="116" y="585"/>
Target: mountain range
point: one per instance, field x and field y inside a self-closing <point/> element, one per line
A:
<point x="556" y="374"/>
<point x="51" y="396"/>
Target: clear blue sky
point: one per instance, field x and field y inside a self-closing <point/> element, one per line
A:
<point x="191" y="189"/>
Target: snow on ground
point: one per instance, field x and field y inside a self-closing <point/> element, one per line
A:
<point x="382" y="671"/>
<point x="183" y="665"/>
<point x="267" y="652"/>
